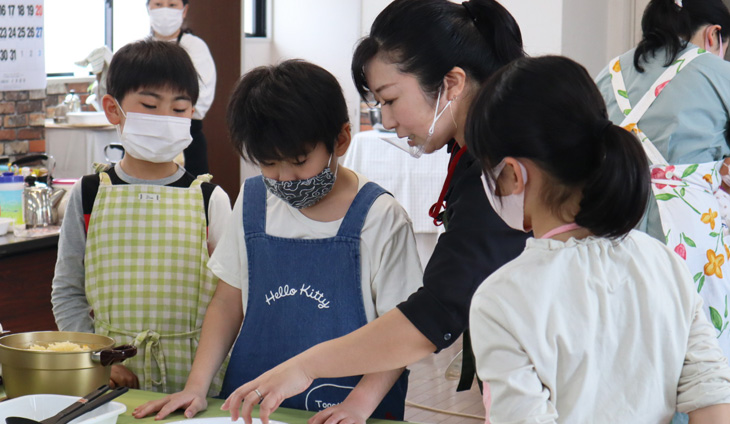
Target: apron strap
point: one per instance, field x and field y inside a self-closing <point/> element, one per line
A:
<point x="254" y="214"/>
<point x="104" y="179"/>
<point x="634" y="114"/>
<point x="149" y="342"/>
<point x="357" y="212"/>
<point x="200" y="179"/>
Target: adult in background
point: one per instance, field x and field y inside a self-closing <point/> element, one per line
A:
<point x="424" y="61"/>
<point x="688" y="122"/>
<point x="166" y="20"/>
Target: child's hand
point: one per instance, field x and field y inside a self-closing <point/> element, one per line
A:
<point x="122" y="377"/>
<point x="191" y="401"/>
<point x="344" y="413"/>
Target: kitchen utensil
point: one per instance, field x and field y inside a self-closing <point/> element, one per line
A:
<point x="116" y="157"/>
<point x="69" y="409"/>
<point x="76" y="412"/>
<point x="68" y="373"/>
<point x="39" y="407"/>
<point x="41" y="166"/>
<point x="40" y="205"/>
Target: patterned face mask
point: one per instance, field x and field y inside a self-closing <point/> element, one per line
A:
<point x="302" y="194"/>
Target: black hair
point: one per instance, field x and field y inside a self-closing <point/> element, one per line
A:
<point x="427" y="38"/>
<point x="149" y="63"/>
<point x="283" y="111"/>
<point x="667" y="25"/>
<point x="548" y="110"/>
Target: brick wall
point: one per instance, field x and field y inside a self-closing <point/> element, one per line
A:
<point x="22" y="119"/>
<point x="23" y="114"/>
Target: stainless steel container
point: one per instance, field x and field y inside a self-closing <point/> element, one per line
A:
<point x="27" y="372"/>
<point x="40" y="205"/>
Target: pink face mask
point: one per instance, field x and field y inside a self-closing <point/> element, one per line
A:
<point x="707" y="44"/>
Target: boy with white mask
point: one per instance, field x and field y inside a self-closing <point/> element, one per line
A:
<point x="313" y="250"/>
<point x="167" y="19"/>
<point x="136" y="237"/>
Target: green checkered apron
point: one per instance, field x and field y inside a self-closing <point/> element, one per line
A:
<point x="147" y="279"/>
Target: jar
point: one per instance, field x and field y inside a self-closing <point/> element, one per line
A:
<point x="11" y="197"/>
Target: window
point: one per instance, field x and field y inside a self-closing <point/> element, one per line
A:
<point x="71" y="34"/>
<point x="254" y="16"/>
<point x="74" y="31"/>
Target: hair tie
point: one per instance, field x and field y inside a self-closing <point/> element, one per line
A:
<point x="469" y="11"/>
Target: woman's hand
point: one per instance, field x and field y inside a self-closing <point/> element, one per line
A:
<point x="121" y="376"/>
<point x="274" y="386"/>
<point x="344" y="413"/>
<point x="189" y="400"/>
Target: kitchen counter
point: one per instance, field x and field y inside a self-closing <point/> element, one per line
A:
<point x="134" y="398"/>
<point x="11" y="245"/>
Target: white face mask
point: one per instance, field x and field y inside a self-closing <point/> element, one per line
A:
<point x="166" y="20"/>
<point x="154" y="138"/>
<point x="510" y="208"/>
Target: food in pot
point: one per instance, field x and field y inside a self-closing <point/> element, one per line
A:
<point x="61" y="347"/>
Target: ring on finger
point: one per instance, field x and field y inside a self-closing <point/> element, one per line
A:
<point x="261" y="397"/>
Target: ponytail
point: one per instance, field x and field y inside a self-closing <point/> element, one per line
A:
<point x="667" y="25"/>
<point x="428" y="38"/>
<point x="498" y="28"/>
<point x="549" y="111"/>
<point x="615" y="196"/>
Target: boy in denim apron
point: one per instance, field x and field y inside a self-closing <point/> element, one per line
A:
<point x="313" y="251"/>
<point x="136" y="237"/>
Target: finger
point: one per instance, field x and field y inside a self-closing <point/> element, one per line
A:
<point x="336" y="418"/>
<point x="112" y="384"/>
<point x="149" y="407"/>
<point x="320" y="417"/>
<point x="196" y="406"/>
<point x="267" y="407"/>
<point x="249" y="401"/>
<point x="233" y="404"/>
<point x="172" y="405"/>
<point x="135" y="383"/>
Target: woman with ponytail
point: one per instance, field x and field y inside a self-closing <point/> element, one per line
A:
<point x="594" y="321"/>
<point x="687" y="121"/>
<point x="423" y="62"/>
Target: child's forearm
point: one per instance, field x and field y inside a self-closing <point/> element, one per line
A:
<point x="371" y="390"/>
<point x="220" y="327"/>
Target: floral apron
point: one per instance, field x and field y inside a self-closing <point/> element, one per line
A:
<point x="687" y="206"/>
<point x="146" y="276"/>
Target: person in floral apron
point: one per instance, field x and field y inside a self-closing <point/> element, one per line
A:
<point x="137" y="236"/>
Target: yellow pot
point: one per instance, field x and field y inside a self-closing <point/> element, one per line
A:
<point x="29" y="372"/>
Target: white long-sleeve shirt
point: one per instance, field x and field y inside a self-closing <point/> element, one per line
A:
<point x="596" y="331"/>
<point x="203" y="61"/>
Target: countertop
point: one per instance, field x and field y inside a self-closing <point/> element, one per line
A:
<point x="134" y="398"/>
<point x="11" y="245"/>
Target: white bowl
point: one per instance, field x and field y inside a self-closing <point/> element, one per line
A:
<point x="40" y="407"/>
<point x="5" y="224"/>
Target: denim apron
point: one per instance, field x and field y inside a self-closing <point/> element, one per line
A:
<point x="303" y="292"/>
